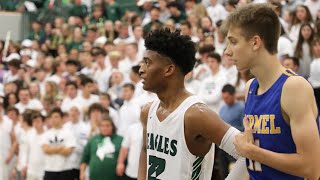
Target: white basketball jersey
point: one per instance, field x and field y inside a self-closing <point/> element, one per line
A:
<point x="168" y="157"/>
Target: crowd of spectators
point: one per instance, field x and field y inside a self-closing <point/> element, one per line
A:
<point x="71" y="94"/>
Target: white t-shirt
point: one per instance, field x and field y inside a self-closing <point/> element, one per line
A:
<point x="129" y="113"/>
<point x="133" y="141"/>
<point x="231" y="74"/>
<point x="32" y="104"/>
<point x="68" y="103"/>
<point x="285" y="47"/>
<point x="5" y="144"/>
<point x="217" y="12"/>
<point x="83" y="104"/>
<point x="314" y="78"/>
<point x="22" y="140"/>
<point x="210" y="90"/>
<point x="192" y="85"/>
<point x="57" y="137"/>
<point x="35" y="154"/>
<point x="114" y="114"/>
<point x="81" y="132"/>
<point x="201" y="72"/>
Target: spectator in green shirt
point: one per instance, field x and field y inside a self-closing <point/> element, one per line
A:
<point x="113" y="11"/>
<point x="101" y="153"/>
<point x="37" y="33"/>
<point x="79" y="9"/>
<point x="176" y="14"/>
<point x="155" y="15"/>
<point x="97" y="15"/>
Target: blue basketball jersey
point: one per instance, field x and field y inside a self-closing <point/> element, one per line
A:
<point x="270" y="131"/>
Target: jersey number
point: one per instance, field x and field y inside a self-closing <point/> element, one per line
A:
<point x="254" y="165"/>
<point x="157" y="166"/>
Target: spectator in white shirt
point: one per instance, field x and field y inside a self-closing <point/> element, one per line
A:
<point x="70" y="98"/>
<point x="105" y="101"/>
<point x="20" y="171"/>
<point x="130" y="60"/>
<point x="314" y="78"/>
<point x="130" y="150"/>
<point x="192" y="85"/>
<point x="210" y="90"/>
<point x="80" y="131"/>
<point x="26" y="103"/>
<point x="201" y="69"/>
<point x="86" y="60"/>
<point x="314" y="7"/>
<point x="101" y="72"/>
<point x="35" y="156"/>
<point x="58" y="144"/>
<point x="136" y="80"/>
<point x="86" y="98"/>
<point x="129" y="111"/>
<point x="124" y="36"/>
<point x="216" y="11"/>
<point x="230" y="69"/>
<point x="6" y="126"/>
<point x="186" y="29"/>
<point x="13" y="73"/>
<point x="138" y="37"/>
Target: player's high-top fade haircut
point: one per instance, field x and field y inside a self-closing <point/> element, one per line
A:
<point x="257" y="19"/>
<point x="179" y="48"/>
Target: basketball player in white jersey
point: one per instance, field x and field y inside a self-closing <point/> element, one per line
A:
<point x="179" y="130"/>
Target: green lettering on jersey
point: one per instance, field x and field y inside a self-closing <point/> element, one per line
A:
<point x="156" y="167"/>
<point x="160" y="145"/>
<point x="151" y="142"/>
<point x="166" y="145"/>
<point x="173" y="145"/>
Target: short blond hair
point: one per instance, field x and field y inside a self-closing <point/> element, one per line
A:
<point x="256" y="19"/>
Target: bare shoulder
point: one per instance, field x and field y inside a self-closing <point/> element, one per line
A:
<point x="144" y="113"/>
<point x="199" y="111"/>
<point x="297" y="85"/>
<point x="201" y="120"/>
<point x="297" y="96"/>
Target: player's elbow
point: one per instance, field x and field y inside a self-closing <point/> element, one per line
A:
<point x="311" y="172"/>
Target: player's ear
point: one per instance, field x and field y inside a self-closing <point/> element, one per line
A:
<point x="170" y="69"/>
<point x="256" y="42"/>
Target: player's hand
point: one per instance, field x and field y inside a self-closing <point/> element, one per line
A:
<point x="120" y="169"/>
<point x="244" y="141"/>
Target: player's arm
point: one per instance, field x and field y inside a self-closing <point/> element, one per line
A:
<point x="143" y="155"/>
<point x="298" y="103"/>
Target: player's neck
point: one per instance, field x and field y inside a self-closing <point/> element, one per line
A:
<point x="267" y="71"/>
<point x="171" y="98"/>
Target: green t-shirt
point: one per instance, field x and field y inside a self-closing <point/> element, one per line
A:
<point x="114" y="12"/>
<point x="74" y="45"/>
<point x="80" y="11"/>
<point x="36" y="35"/>
<point x="178" y="19"/>
<point x="106" y="168"/>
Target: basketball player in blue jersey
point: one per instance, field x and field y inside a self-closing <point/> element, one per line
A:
<point x="178" y="129"/>
<point x="281" y="138"/>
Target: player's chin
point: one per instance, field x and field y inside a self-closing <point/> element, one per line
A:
<point x="241" y="68"/>
<point x="145" y="87"/>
